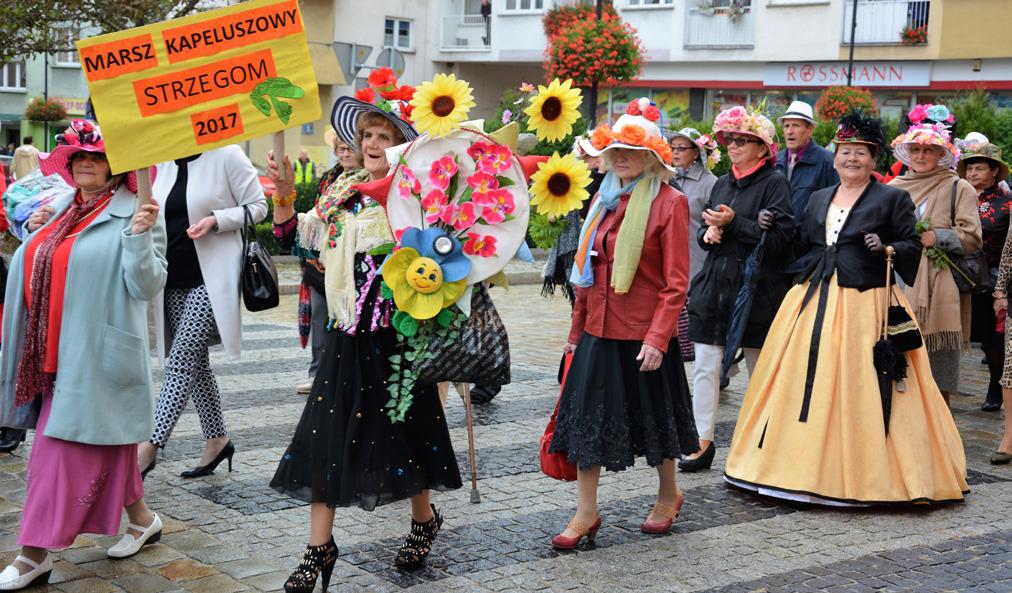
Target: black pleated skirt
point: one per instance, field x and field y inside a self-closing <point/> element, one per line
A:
<point x="346" y="451"/>
<point x="610" y="412"/>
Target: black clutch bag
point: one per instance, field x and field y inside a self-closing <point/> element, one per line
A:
<point x="902" y="330"/>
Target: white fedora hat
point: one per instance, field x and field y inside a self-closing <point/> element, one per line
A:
<point x="798" y="110"/>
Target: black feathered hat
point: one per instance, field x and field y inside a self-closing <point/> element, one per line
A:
<point x="858" y="127"/>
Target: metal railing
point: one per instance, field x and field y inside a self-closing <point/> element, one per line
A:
<point x="466" y="31"/>
<point x="719" y="27"/>
<point x="880" y="21"/>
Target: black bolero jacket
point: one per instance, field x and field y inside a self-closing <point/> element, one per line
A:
<point x="881" y="209"/>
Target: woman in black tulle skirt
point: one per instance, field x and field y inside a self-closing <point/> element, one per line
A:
<point x="346" y="450"/>
<point x="626" y="394"/>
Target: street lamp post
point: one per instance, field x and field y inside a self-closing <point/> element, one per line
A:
<point x="592" y="108"/>
<point x="853" y="29"/>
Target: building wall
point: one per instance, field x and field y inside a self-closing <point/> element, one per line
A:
<point x="975" y="29"/>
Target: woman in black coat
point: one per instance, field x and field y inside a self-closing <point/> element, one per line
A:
<point x="751" y="200"/>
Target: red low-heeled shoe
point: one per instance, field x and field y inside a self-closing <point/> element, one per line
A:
<point x="669" y="512"/>
<point x="582" y="529"/>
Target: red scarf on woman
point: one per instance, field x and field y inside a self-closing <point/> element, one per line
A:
<point x="32" y="378"/>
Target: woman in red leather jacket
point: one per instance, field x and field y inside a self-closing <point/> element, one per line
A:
<point x="626" y="394"/>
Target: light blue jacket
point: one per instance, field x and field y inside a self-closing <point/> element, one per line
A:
<point x="103" y="393"/>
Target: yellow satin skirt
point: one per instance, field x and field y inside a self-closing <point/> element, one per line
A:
<point x="841" y="453"/>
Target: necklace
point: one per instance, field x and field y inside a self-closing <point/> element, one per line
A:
<point x="91" y="216"/>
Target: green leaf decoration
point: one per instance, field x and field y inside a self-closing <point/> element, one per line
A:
<point x="384" y="249"/>
<point x="445" y="318"/>
<point x="405" y="324"/>
<point x="504" y="181"/>
<point x="262" y="105"/>
<point x="385" y="291"/>
<point x="269" y="93"/>
<point x="466" y="196"/>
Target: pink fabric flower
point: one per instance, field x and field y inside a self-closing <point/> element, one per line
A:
<point x="482" y="246"/>
<point x="482" y="183"/>
<point x="465" y="217"/>
<point x="447" y="214"/>
<point x="442" y="172"/>
<point x="433" y="204"/>
<point x="917" y="114"/>
<point x="731" y="118"/>
<point x="478" y="150"/>
<point x="503" y="199"/>
<point x="496" y="161"/>
<point x="408" y="184"/>
<point x="492" y="214"/>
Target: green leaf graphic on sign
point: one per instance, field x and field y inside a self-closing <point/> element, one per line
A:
<point x="270" y="92"/>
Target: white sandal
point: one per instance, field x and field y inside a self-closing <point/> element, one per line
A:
<point x="11" y="580"/>
<point x="129" y="545"/>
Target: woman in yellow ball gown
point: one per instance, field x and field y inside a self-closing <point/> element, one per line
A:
<point x="813" y="426"/>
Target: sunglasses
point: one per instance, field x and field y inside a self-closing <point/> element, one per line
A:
<point x="740" y="141"/>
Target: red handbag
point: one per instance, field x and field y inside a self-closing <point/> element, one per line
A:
<point x="555" y="465"/>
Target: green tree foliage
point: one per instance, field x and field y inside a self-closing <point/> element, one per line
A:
<point x="30" y="27"/>
<point x="975" y="112"/>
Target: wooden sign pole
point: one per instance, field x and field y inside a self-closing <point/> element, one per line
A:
<point x="143" y="186"/>
<point x="279" y="153"/>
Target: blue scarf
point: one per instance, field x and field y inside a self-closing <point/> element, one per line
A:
<point x="607" y="200"/>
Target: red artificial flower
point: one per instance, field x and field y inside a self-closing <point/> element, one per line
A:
<point x="382" y="78"/>
<point x="368" y="95"/>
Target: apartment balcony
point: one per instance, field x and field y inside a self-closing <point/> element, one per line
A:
<point x="719" y="28"/>
<point x="879" y="22"/>
<point x="465" y="32"/>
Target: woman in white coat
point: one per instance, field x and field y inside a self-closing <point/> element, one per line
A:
<point x="203" y="197"/>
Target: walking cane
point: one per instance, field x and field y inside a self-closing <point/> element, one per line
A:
<point x="475" y="497"/>
<point x="888" y="291"/>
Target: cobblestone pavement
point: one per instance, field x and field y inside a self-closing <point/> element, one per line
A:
<point x="230" y="532"/>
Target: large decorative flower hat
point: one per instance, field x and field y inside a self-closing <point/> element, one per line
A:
<point x="926" y="134"/>
<point x="973" y="149"/>
<point x="751" y="121"/>
<point x="383" y="96"/>
<point x="82" y="135"/>
<point x="709" y="149"/>
<point x="638" y="129"/>
<point x="468" y="186"/>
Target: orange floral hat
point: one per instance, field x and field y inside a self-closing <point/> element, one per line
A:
<point x="637" y="129"/>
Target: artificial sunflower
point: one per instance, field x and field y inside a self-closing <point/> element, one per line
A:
<point x="428" y="273"/>
<point x="441" y="104"/>
<point x="554" y="110"/>
<point x="558" y="186"/>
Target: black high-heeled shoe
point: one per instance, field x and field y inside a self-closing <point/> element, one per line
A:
<point x="418" y="544"/>
<point x="205" y="470"/>
<point x="702" y="462"/>
<point x="317" y="562"/>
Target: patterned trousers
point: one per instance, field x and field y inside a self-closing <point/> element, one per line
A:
<point x="188" y="368"/>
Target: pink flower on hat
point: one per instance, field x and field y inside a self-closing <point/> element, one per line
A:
<point x="731" y="118"/>
<point x="433" y="204"/>
<point x="496" y="160"/>
<point x="409" y="184"/>
<point x="918" y="114"/>
<point x="483" y="246"/>
<point x="442" y="171"/>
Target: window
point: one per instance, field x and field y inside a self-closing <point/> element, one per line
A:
<point x="651" y="2"/>
<point x="397" y="33"/>
<point x="525" y="5"/>
<point x="65" y="37"/>
<point x="12" y="76"/>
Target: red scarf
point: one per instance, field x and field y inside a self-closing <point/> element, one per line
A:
<point x="32" y="378"/>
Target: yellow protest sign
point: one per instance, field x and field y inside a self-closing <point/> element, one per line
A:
<point x="185" y="86"/>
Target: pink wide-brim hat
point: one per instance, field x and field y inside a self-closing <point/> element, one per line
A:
<point x="81" y="136"/>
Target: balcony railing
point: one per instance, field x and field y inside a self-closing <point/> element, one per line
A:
<point x="719" y="28"/>
<point x="466" y="32"/>
<point x="880" y="21"/>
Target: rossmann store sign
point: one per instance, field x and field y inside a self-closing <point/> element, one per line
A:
<point x="865" y="74"/>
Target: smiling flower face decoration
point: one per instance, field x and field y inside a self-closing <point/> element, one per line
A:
<point x="428" y="273"/>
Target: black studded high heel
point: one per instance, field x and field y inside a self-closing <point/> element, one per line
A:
<point x="205" y="470"/>
<point x="417" y="546"/>
<point x="317" y="562"/>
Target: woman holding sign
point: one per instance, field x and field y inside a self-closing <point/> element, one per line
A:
<point x="75" y="362"/>
<point x="206" y="199"/>
<point x="345" y="450"/>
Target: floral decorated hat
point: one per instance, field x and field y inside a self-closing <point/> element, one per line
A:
<point x="81" y="136"/>
<point x="709" y="150"/>
<point x="382" y="96"/>
<point x="980" y="150"/>
<point x="636" y="129"/>
<point x="739" y="120"/>
<point x="858" y="127"/>
<point x="929" y="134"/>
<point x="930" y="113"/>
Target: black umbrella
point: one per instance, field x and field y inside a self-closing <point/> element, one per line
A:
<point x="890" y="361"/>
<point x="743" y="305"/>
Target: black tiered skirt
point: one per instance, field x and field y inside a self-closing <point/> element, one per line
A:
<point x="611" y="412"/>
<point x="346" y="451"/>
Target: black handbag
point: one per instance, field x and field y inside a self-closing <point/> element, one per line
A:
<point x="479" y="355"/>
<point x="970" y="271"/>
<point x="258" y="278"/>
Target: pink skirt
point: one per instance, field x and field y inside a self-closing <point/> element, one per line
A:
<point x="75" y="488"/>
